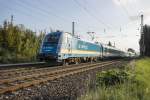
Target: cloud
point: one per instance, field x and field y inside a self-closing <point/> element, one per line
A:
<point x="124" y="2"/>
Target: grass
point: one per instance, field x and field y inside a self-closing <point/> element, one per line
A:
<point x="132" y="83"/>
<point x="143" y="71"/>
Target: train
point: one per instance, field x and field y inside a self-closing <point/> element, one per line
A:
<point x="66" y="48"/>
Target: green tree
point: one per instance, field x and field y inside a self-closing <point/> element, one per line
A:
<point x="18" y="43"/>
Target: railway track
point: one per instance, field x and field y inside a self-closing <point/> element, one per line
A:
<point x="42" y="75"/>
<point x="13" y="73"/>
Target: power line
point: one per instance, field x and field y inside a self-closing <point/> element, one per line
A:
<point x="43" y="11"/>
<point x="82" y="25"/>
<point x="125" y="10"/>
<point x="47" y="12"/>
<point x="26" y="5"/>
<point x="40" y="10"/>
<point x="20" y="11"/>
<point x="53" y="14"/>
<point x="99" y="13"/>
<point x="34" y="8"/>
<point x="92" y="15"/>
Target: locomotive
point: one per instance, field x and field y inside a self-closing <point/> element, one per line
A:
<point x="64" y="47"/>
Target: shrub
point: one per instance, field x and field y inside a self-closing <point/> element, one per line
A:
<point x="112" y="77"/>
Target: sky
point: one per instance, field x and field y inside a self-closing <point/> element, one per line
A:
<point x="117" y="21"/>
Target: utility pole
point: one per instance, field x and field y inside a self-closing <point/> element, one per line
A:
<point x="73" y="28"/>
<point x="142" y="24"/>
<point x="142" y="45"/>
<point x="12" y="19"/>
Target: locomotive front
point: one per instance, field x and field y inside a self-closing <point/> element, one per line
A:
<point x="50" y="47"/>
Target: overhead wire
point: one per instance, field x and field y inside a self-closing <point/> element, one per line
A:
<point x="22" y="12"/>
<point x="92" y="15"/>
<point x="47" y="12"/>
<point x="125" y="10"/>
<point x="36" y="8"/>
<point x="42" y="11"/>
<point x="69" y="20"/>
<point x="94" y="9"/>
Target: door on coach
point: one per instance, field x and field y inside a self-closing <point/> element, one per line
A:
<point x="69" y="42"/>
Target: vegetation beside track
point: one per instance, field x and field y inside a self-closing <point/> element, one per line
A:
<point x="130" y="83"/>
<point x="18" y="43"/>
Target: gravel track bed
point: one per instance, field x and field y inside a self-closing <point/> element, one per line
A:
<point x="7" y="74"/>
<point x="67" y="88"/>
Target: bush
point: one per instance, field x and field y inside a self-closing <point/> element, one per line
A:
<point x="18" y="44"/>
<point x="112" y="77"/>
<point x="129" y="84"/>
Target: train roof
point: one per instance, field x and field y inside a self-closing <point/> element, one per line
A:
<point x="111" y="47"/>
<point x="98" y="43"/>
<point x="57" y="32"/>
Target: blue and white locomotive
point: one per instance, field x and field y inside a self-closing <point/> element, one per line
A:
<point x="67" y="48"/>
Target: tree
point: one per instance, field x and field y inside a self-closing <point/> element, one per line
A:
<point x="18" y="43"/>
<point x="131" y="50"/>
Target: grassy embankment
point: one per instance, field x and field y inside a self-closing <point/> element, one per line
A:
<point x="131" y="83"/>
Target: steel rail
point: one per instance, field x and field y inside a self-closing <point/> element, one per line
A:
<point x="49" y="72"/>
<point x="14" y="73"/>
<point x="44" y="77"/>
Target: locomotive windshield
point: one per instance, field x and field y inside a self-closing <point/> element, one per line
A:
<point x="52" y="38"/>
